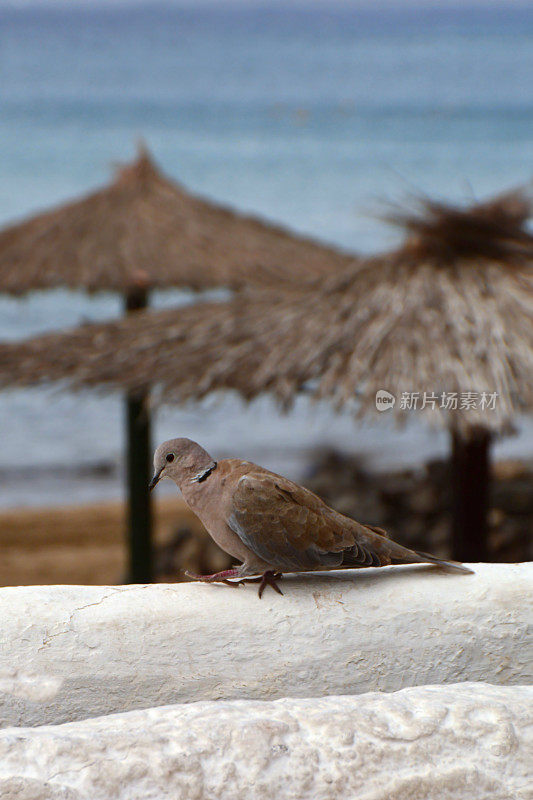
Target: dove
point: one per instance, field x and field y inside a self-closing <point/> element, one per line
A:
<point x="270" y="523"/>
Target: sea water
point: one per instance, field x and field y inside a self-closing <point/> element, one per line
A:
<point x="312" y="117"/>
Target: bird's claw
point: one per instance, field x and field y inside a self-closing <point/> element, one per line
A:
<point x="268" y="578"/>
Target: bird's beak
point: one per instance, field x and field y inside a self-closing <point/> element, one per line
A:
<point x="155" y="479"/>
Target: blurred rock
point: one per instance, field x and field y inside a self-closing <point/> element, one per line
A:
<point x="414" y="504"/>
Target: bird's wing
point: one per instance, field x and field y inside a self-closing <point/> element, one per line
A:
<point x="293" y="529"/>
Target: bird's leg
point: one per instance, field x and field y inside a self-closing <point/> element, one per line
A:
<point x="268" y="578"/>
<point x="217" y="577"/>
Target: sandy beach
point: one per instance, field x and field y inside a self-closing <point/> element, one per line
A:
<point x="86" y="544"/>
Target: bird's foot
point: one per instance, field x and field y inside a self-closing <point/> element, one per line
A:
<point x="217" y="577"/>
<point x="268" y="578"/>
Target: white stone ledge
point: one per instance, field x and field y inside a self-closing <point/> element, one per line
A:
<point x="70" y="652"/>
<point x="455" y="742"/>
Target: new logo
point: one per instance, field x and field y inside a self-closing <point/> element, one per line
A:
<point x="384" y="400"/>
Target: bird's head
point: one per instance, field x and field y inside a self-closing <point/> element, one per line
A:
<point x="181" y="460"/>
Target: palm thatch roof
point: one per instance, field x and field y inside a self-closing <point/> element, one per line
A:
<point x="450" y="312"/>
<point x="144" y="229"/>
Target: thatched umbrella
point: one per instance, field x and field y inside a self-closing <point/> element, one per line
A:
<point x="141" y="232"/>
<point x="446" y="321"/>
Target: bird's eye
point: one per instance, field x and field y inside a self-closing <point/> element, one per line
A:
<point x="170" y="457"/>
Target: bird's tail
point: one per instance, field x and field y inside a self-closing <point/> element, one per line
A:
<point x="377" y="549"/>
<point x="417" y="557"/>
<point x="452" y="566"/>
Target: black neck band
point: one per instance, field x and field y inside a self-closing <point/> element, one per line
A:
<point x="203" y="476"/>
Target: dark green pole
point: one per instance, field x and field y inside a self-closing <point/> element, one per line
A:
<point x="470" y="491"/>
<point x="139" y="472"/>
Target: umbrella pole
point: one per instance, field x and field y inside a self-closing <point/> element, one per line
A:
<point x="139" y="456"/>
<point x="470" y="491"/>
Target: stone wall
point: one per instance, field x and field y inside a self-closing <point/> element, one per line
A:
<point x="428" y="743"/>
<point x="372" y="684"/>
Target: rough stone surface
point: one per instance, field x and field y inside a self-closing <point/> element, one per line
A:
<point x="70" y="652"/>
<point x="427" y="743"/>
